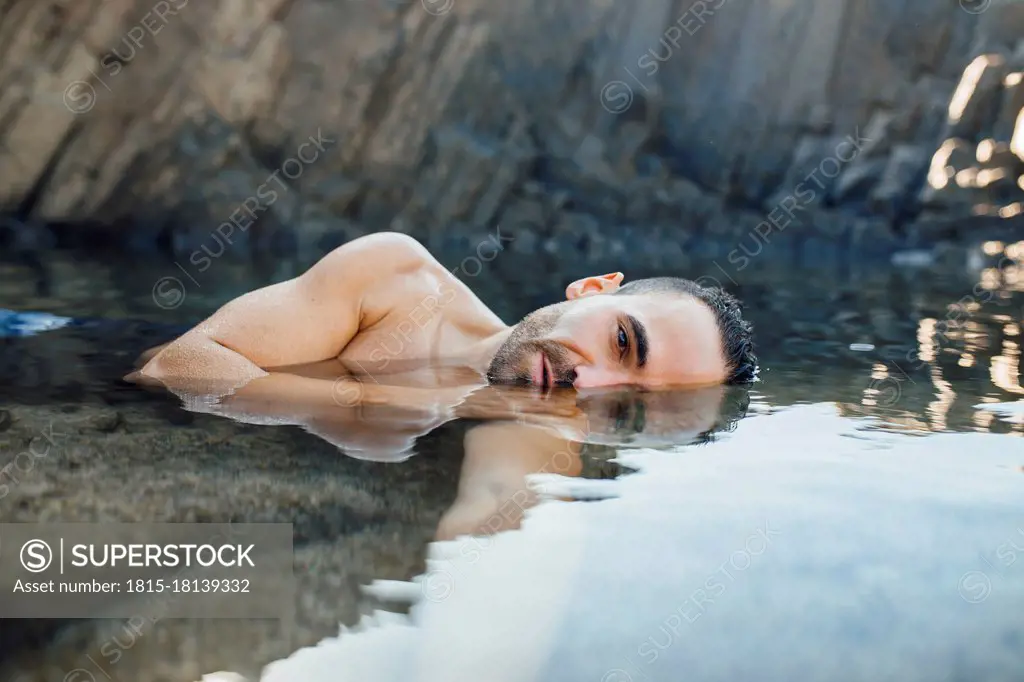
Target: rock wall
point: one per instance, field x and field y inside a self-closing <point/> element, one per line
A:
<point x="584" y="124"/>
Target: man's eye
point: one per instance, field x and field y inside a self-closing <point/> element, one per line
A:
<point x="623" y="340"/>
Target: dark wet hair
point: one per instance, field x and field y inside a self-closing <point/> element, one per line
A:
<point x="737" y="333"/>
<point x="597" y="457"/>
<point x="734" y="407"/>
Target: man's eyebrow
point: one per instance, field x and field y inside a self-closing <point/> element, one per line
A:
<point x="640" y="333"/>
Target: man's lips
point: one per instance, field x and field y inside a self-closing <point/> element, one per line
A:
<point x="541" y="371"/>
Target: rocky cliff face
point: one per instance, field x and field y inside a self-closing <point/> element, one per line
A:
<point x="585" y="124"/>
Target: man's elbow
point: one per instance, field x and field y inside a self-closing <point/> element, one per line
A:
<point x="170" y="361"/>
<point x="201" y="361"/>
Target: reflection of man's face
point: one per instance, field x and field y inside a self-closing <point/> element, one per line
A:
<point x="653" y="339"/>
<point x="655" y="416"/>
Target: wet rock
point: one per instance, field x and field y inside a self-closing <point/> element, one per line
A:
<point x="820" y="119"/>
<point x="524" y="217"/>
<point x="585" y="231"/>
<point x="900" y="180"/>
<point x="976" y="99"/>
<point x="1010" y="108"/>
<point x="998" y="171"/>
<point x="993" y="155"/>
<point x="879" y="134"/>
<point x="1002" y="24"/>
<point x="807" y="175"/>
<point x="525" y="242"/>
<point x="958" y="154"/>
<point x="437" y="120"/>
<point x="857" y="181"/>
<point x="1017" y="141"/>
<point x="953" y="197"/>
<point x="321" y="234"/>
<point x="923" y="117"/>
<point x="948" y="183"/>
<point x="625" y="148"/>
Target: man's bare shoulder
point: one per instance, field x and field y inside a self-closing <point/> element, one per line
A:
<point x="398" y="279"/>
<point x="370" y="257"/>
<point x="384" y="273"/>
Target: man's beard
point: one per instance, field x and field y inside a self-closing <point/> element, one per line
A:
<point x="514" y="361"/>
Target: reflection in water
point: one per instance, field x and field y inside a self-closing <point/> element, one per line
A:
<point x="1006" y="368"/>
<point x="523" y="432"/>
<point x="944" y="398"/>
<point x="973" y="330"/>
<point x="766" y="564"/>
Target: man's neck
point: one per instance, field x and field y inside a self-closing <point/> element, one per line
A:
<point x="480" y="354"/>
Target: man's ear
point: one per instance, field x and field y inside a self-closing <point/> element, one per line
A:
<point x="588" y="286"/>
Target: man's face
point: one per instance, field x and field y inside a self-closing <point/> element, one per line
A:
<point x="651" y="339"/>
<point x="615" y="416"/>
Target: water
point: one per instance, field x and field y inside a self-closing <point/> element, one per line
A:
<point x="854" y="516"/>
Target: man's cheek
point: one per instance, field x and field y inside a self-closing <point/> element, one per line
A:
<point x="589" y="376"/>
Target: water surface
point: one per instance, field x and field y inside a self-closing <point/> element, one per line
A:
<point x="856" y="515"/>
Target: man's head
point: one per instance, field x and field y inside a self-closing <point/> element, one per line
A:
<point x="657" y="332"/>
<point x="639" y="418"/>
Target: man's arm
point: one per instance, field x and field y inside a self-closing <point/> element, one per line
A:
<point x="366" y="420"/>
<point x="493" y="491"/>
<point x="306" y="319"/>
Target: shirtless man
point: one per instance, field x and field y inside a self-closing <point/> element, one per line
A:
<point x="382" y="301"/>
<point x="381" y="306"/>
